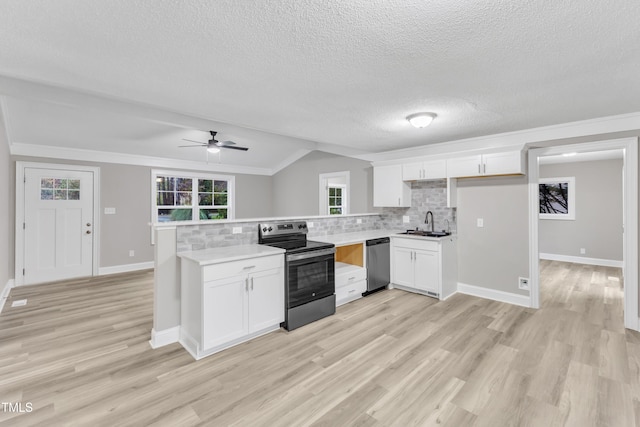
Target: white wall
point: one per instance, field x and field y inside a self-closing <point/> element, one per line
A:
<point x="598" y="223"/>
<point x="495" y="255"/>
<point x="295" y="188"/>
<point x="7" y="211"/>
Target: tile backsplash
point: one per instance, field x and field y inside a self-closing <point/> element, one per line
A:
<point x="425" y="196"/>
<point x="211" y="235"/>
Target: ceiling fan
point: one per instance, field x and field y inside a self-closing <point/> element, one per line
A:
<point x="213" y="145"/>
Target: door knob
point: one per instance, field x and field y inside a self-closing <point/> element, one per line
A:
<point x="88" y="224"/>
<point x="88" y="231"/>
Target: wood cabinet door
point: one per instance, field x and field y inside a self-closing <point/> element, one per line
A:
<point x="427" y="271"/>
<point x="225" y="308"/>
<point x="403" y="267"/>
<point x="266" y="299"/>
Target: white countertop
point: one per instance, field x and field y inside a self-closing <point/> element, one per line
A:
<point x="362" y="236"/>
<point x="229" y="253"/>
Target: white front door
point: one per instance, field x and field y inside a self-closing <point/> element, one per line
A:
<point x="58" y="224"/>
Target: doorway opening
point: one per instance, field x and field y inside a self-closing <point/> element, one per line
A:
<point x="627" y="225"/>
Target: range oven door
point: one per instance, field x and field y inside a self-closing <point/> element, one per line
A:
<point x="310" y="276"/>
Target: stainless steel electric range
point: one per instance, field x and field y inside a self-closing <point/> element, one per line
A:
<point x="309" y="272"/>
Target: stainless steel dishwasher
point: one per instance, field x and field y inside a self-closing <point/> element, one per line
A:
<point x="378" y="264"/>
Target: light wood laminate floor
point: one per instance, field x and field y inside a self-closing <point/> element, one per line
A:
<point x="79" y="353"/>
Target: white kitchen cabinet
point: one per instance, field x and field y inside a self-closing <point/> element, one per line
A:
<point x="505" y="163"/>
<point x="389" y="190"/>
<point x="224" y="318"/>
<point x="227" y="303"/>
<point x="351" y="282"/>
<point x="429" y="169"/>
<point x="425" y="266"/>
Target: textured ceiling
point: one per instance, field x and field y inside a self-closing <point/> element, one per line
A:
<point x="337" y="72"/>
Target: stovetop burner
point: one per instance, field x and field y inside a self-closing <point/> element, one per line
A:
<point x="291" y="236"/>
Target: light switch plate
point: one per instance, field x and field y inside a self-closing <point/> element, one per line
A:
<point x="109" y="211"/>
<point x="406" y="219"/>
<point x="480" y="222"/>
<point x="237" y="230"/>
<point x="309" y="224"/>
<point x="359" y="221"/>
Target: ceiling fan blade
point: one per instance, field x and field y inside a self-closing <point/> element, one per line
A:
<point x="188" y="146"/>
<point x="193" y="140"/>
<point x="233" y="147"/>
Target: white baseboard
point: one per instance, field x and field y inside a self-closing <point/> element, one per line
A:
<point x="5" y="292"/>
<point x="165" y="337"/>
<point x="125" y="268"/>
<point x="583" y="260"/>
<point x="492" y="294"/>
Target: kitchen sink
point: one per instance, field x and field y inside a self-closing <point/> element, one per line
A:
<point x="426" y="233"/>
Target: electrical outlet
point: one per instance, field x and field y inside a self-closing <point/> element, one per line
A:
<point x="583" y="251"/>
<point x="480" y="222"/>
<point x="523" y="283"/>
<point x="132" y="253"/>
<point x="109" y="211"/>
<point x="309" y="224"/>
<point x="359" y="221"/>
<point x="237" y="230"/>
<point x="406" y="219"/>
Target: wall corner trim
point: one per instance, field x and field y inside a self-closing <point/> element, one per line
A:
<point x="583" y="260"/>
<point x="495" y="295"/>
<point x="5" y="292"/>
<point x="165" y="337"/>
<point x="125" y="268"/>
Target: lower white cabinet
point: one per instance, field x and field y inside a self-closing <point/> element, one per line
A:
<point x="425" y="266"/>
<point x="219" y="312"/>
<point x="351" y="282"/>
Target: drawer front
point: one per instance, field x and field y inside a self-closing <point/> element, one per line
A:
<point x="425" y="245"/>
<point x="350" y="277"/>
<point x="245" y="266"/>
<point x="351" y="291"/>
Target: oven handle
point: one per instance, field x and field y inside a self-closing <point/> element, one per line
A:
<point x="312" y="254"/>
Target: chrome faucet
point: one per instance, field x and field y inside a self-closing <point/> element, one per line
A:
<point x="426" y="220"/>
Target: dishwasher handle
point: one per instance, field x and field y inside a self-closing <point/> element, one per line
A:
<point x="380" y="241"/>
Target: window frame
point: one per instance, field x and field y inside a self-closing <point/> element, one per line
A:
<point x="195" y="207"/>
<point x="343" y="197"/>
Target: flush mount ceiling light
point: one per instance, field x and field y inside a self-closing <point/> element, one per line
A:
<point x="421" y="120"/>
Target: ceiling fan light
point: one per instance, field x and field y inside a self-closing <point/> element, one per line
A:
<point x="421" y="120"/>
<point x="213" y="150"/>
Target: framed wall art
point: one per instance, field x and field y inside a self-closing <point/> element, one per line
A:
<point x="557" y="198"/>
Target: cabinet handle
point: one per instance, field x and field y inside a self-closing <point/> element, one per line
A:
<point x="249" y="267"/>
<point x="352" y="278"/>
<point x="246" y="284"/>
<point x="398" y="201"/>
<point x="479" y="168"/>
<point x="352" y="291"/>
<point x="485" y="168"/>
<point x="252" y="283"/>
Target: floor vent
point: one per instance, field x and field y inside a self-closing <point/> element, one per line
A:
<point x="19" y="303"/>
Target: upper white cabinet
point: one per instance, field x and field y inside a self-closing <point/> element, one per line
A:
<point x="506" y="163"/>
<point x="430" y="169"/>
<point x="389" y="190"/>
